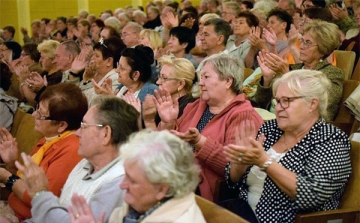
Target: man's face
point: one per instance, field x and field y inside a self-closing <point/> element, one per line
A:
<point x="209" y="38"/>
<point x="130" y="37"/>
<point x="62" y="58"/>
<point x="6" y="34"/>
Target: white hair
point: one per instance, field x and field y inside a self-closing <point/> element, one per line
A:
<point x="164" y="158"/>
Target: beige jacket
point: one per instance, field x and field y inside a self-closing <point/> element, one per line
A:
<point x="176" y="210"/>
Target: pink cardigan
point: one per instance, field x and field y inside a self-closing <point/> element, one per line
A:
<point x="220" y="131"/>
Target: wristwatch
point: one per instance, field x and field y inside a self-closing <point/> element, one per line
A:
<point x="10" y="182"/>
<point x="267" y="164"/>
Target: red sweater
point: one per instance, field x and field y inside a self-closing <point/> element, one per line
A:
<point x="58" y="162"/>
<point x="220" y="131"/>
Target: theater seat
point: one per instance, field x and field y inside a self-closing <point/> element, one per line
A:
<point x="345" y="61"/>
<point x="349" y="209"/>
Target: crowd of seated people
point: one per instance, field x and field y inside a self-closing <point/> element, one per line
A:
<point x="178" y="67"/>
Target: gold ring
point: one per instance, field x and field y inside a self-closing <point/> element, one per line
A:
<point x="77" y="215"/>
<point x="30" y="85"/>
<point x="240" y="159"/>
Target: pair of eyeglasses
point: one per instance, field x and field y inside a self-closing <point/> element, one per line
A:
<point x="101" y="41"/>
<point x="124" y="35"/>
<point x="84" y="125"/>
<point x="307" y="43"/>
<point x="40" y="116"/>
<point x="285" y="101"/>
<point x="24" y="54"/>
<point x="164" y="79"/>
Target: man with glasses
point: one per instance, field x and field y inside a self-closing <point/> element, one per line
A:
<point x="105" y="126"/>
<point x="130" y="34"/>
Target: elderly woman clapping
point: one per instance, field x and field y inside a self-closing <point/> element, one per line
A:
<point x="299" y="163"/>
<point x="57" y="116"/>
<point x="210" y="122"/>
<point x="319" y="40"/>
<point x="161" y="176"/>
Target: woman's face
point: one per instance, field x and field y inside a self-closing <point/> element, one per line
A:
<point x="141" y="194"/>
<point x="83" y="30"/>
<point x="98" y="59"/>
<point x="303" y="21"/>
<point x="124" y="71"/>
<point x="357" y="16"/>
<point x="309" y="50"/>
<point x="241" y="28"/>
<point x="168" y="81"/>
<point x="145" y="41"/>
<point x="212" y="88"/>
<point x="227" y="14"/>
<point x="5" y="53"/>
<point x="46" y="62"/>
<point x="277" y="25"/>
<point x="46" y="127"/>
<point x="174" y="46"/>
<point x="60" y="25"/>
<point x="95" y="30"/>
<point x="25" y="59"/>
<point x="293" y="116"/>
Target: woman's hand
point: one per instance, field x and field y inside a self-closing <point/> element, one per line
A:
<point x="293" y="34"/>
<point x="192" y="136"/>
<point x="149" y="109"/>
<point x="22" y="72"/>
<point x="171" y="20"/>
<point x="266" y="69"/>
<point x="33" y="175"/>
<point x="80" y="211"/>
<point x="270" y="36"/>
<point x="337" y="12"/>
<point x="168" y="109"/>
<point x="276" y="63"/>
<point x="105" y="88"/>
<point x="255" y="39"/>
<point x="131" y="100"/>
<point x="8" y="148"/>
<point x="35" y="81"/>
<point x="79" y="63"/>
<point x="90" y="71"/>
<point x="189" y="23"/>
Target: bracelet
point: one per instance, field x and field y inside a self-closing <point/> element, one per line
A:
<point x="267" y="164"/>
<point x="22" y="84"/>
<point x="10" y="182"/>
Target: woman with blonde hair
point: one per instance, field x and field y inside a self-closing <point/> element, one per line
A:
<point x="151" y="38"/>
<point x="177" y="77"/>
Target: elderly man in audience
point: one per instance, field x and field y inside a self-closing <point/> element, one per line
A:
<point x="106" y="125"/>
<point x="161" y="175"/>
<point x="65" y="54"/>
<point x="297" y="163"/>
<point x="130" y="34"/>
<point x="57" y="116"/>
<point x="213" y="38"/>
<point x="210" y="122"/>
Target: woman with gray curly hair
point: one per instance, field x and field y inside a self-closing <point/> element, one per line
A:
<point x="161" y="175"/>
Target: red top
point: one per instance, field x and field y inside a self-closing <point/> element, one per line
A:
<point x="220" y="131"/>
<point x="57" y="163"/>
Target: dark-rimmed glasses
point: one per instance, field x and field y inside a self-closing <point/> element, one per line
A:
<point x="285" y="101"/>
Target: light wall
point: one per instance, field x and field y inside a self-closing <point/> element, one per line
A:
<point x="20" y="13"/>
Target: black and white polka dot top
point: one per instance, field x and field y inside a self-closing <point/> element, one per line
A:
<point x="321" y="161"/>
